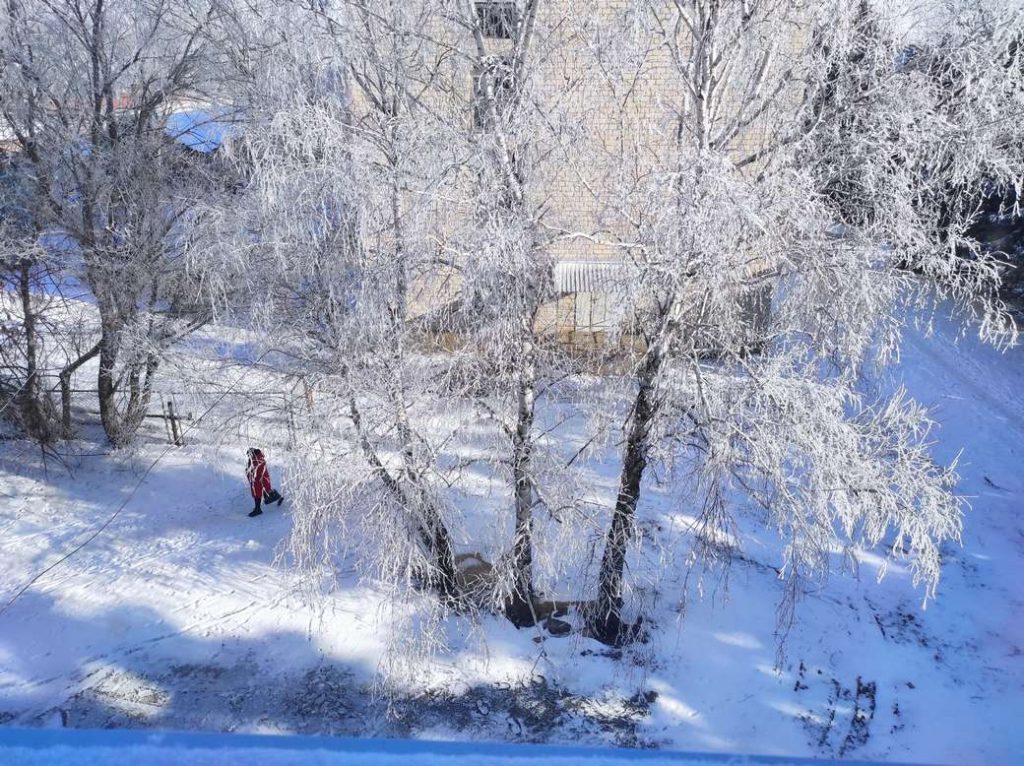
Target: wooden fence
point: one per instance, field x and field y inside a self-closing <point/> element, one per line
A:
<point x="283" y="408"/>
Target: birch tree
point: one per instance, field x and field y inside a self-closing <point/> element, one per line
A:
<point x="344" y="166"/>
<point x="385" y="215"/>
<point x="374" y="211"/>
<point x="504" y="258"/>
<point x="732" y="207"/>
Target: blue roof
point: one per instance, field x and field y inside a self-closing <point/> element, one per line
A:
<point x="202" y="130"/>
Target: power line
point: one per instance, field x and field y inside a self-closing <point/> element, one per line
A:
<point x="21" y="591"/>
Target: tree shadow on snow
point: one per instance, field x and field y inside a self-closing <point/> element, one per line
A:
<point x="133" y="667"/>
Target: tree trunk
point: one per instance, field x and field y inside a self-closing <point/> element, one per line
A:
<point x="424" y="517"/>
<point x="121" y="424"/>
<point x="107" y="388"/>
<point x="443" y="552"/>
<point x="605" y="618"/>
<point x="65" y="389"/>
<point x="140" y="393"/>
<point x="32" y="411"/>
<point x="519" y="608"/>
<point x="432" y="529"/>
<point x="106" y="383"/>
<point x="412" y="491"/>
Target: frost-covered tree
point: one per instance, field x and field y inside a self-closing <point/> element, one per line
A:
<point x="23" y="399"/>
<point x="766" y="410"/>
<point x="503" y="259"/>
<point x="87" y="90"/>
<point x="345" y="167"/>
<point x="841" y="121"/>
<point x="776" y="194"/>
<point x="392" y="199"/>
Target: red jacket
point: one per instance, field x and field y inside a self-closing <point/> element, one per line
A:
<point x="258" y="475"/>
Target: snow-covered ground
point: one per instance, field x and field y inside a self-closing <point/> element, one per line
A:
<point x="180" y="615"/>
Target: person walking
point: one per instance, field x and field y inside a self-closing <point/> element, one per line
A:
<point x="258" y="474"/>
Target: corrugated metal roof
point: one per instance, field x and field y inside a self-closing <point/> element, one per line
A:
<point x="590" y="276"/>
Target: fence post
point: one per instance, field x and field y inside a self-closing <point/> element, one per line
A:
<point x="167" y="422"/>
<point x="179" y="440"/>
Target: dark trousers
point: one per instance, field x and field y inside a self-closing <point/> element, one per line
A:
<point x="269" y="497"/>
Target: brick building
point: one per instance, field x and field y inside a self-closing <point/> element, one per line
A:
<point x="622" y="111"/>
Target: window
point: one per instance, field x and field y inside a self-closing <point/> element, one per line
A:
<point x="591" y="312"/>
<point x="497" y="19"/>
<point x="496" y="72"/>
<point x="756" y="314"/>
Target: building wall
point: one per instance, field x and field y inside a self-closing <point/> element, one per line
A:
<point x="616" y="99"/>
